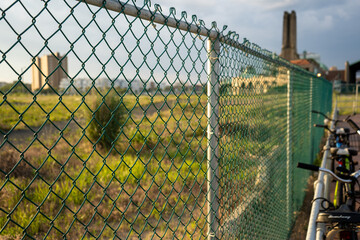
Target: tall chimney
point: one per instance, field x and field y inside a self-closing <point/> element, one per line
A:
<point x="289" y="49"/>
<point x="293" y="31"/>
<point x="285" y="43"/>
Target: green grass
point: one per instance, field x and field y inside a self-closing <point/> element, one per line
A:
<point x="18" y="109"/>
<point x="157" y="169"/>
<point x="346" y="104"/>
<point x="154" y="178"/>
<point x="94" y="182"/>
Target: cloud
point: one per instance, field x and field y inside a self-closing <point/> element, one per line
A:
<point x="312" y="21"/>
<point x="323" y="25"/>
<point x="301" y="5"/>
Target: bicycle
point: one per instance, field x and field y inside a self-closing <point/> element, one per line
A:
<point x="340" y="154"/>
<point x="340" y="136"/>
<point x="343" y="156"/>
<point x="345" y="194"/>
<point x="344" y="220"/>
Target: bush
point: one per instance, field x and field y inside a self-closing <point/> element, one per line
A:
<point x="106" y="119"/>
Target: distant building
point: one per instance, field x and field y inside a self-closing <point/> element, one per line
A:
<point x="310" y="55"/>
<point x="48" y="69"/>
<point x="335" y="75"/>
<point x="289" y="49"/>
<point x="307" y="61"/>
<point x="309" y="65"/>
<point x="83" y="84"/>
<point x="108" y="83"/>
<point x="348" y="75"/>
<point x="352" y="69"/>
<point x="259" y="83"/>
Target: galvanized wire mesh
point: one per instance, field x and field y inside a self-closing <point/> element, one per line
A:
<point x="347" y="98"/>
<point x="138" y="129"/>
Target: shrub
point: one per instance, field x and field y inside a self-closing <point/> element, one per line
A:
<point x="106" y="119"/>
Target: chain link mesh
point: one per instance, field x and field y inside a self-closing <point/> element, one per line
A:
<point x="116" y="139"/>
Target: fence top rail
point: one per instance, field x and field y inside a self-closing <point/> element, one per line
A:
<point x="199" y="28"/>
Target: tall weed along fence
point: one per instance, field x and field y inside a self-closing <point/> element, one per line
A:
<point x="159" y="128"/>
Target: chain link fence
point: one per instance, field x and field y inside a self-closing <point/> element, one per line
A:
<point x="144" y="124"/>
<point x="347" y="97"/>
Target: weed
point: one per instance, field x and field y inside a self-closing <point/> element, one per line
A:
<point x="13" y="165"/>
<point x="106" y="119"/>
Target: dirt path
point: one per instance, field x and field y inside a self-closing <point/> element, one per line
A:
<point x="302" y="221"/>
<point x="25" y="136"/>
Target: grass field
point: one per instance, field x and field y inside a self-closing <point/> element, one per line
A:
<point x="347" y="104"/>
<point x="65" y="178"/>
<point x="18" y="109"/>
<point x="22" y="108"/>
<point x="153" y="178"/>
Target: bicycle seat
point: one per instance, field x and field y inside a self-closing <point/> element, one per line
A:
<point x="343" y="214"/>
<point x="343" y="151"/>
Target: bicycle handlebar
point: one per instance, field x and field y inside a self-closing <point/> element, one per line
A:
<point x="323" y="126"/>
<point x="353" y="125"/>
<point x="326" y="117"/>
<point x="317" y="112"/>
<point x="311" y="167"/>
<point x="308" y="166"/>
<point x="334" y="132"/>
<point x="347" y="119"/>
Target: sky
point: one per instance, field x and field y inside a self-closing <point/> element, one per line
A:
<point x="329" y="28"/>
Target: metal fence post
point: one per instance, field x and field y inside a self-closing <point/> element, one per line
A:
<point x="289" y="151"/>
<point x="311" y="121"/>
<point x="213" y="139"/>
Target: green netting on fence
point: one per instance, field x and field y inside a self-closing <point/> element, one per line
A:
<point x="145" y="124"/>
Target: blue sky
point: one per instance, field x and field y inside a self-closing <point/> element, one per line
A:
<point x="330" y="28"/>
